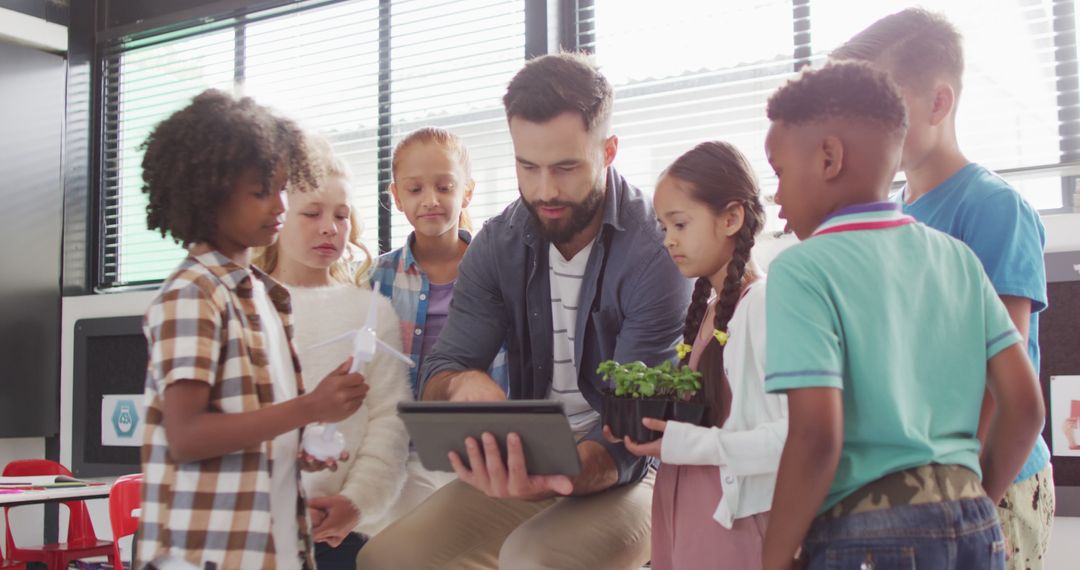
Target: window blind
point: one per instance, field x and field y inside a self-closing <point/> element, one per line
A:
<point x="449" y="67"/>
<point x="699" y="70"/>
<point x="361" y="73"/>
<point x="692" y="72"/>
<point x="1017" y="111"/>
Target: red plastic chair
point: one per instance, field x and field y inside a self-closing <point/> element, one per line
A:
<point x="10" y="564"/>
<point x="124" y="497"/>
<point x="81" y="540"/>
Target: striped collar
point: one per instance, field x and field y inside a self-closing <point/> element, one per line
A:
<point x="870" y="216"/>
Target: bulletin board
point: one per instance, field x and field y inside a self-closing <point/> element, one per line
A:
<point x="110" y="358"/>
<point x="1059" y="343"/>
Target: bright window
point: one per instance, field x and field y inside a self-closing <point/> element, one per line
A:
<point x="448" y="64"/>
<point x="700" y="70"/>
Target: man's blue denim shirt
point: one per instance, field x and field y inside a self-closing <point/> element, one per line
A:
<point x="503" y="294"/>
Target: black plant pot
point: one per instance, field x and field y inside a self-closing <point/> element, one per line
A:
<point x="612" y="415"/>
<point x="647" y="408"/>
<point x="623" y="416"/>
<point x="688" y="412"/>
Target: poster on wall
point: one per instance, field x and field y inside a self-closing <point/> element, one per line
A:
<point x="122" y="420"/>
<point x="1065" y="415"/>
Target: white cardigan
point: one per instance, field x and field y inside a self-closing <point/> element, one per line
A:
<point x="375" y="437"/>
<point x="747" y="448"/>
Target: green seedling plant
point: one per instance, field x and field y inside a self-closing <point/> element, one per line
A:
<point x="682" y="382"/>
<point x="636" y="380"/>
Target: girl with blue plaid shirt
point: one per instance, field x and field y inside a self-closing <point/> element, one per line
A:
<point x="432" y="185"/>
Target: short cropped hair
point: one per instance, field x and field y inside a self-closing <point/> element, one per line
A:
<point x="853" y="91"/>
<point x="916" y="45"/>
<point x="193" y="157"/>
<point x="551" y="85"/>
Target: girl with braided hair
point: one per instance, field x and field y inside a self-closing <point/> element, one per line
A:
<point x="714" y="486"/>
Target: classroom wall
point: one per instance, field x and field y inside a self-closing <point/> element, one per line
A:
<point x="31" y="118"/>
<point x="31" y="198"/>
<point x="40" y="24"/>
<point x="1064" y="550"/>
<point x="1063" y="234"/>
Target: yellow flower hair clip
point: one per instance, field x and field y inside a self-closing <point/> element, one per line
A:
<point x="682" y="349"/>
<point x="720" y="336"/>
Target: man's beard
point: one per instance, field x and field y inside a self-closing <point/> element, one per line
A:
<point x="564" y="229"/>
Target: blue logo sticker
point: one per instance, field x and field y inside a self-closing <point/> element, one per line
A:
<point x="125" y="418"/>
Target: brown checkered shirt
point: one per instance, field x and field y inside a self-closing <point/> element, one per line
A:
<point x="204" y="326"/>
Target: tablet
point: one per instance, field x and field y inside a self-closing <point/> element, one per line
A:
<point x="438" y="428"/>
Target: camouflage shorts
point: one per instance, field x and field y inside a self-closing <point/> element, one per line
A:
<point x="1027" y="515"/>
<point x="915" y="486"/>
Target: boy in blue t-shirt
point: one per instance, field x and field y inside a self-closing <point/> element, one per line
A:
<point x="881" y="332"/>
<point x="922" y="53"/>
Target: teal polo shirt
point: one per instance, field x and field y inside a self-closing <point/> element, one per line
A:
<point x="902" y="319"/>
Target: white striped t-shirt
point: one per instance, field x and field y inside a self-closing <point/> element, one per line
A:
<point x="566" y="277"/>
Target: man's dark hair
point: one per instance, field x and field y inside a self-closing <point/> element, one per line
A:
<point x="853" y="90"/>
<point x="193" y="157"/>
<point x="551" y="85"/>
<point x="915" y="45"/>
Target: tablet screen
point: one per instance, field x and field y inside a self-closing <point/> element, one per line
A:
<point x="437" y="428"/>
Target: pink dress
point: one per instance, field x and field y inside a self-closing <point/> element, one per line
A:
<point x="684" y="534"/>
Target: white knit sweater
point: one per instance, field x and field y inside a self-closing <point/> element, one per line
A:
<point x="375" y="437"/>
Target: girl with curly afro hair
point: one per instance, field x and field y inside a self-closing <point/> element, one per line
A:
<point x="225" y="397"/>
<point x="195" y="158"/>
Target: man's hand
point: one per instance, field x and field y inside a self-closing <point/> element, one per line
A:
<point x="333" y="518"/>
<point x="651" y="449"/>
<point x="491" y="476"/>
<point x="474" y="386"/>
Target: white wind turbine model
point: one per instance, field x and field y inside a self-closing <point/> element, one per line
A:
<point x="326" y="442"/>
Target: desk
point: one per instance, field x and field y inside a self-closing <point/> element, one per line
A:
<point x="12" y="497"/>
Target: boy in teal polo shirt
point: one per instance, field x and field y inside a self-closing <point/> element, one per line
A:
<point x="923" y="53"/>
<point x="881" y="331"/>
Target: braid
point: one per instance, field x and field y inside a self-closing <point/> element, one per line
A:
<point x="699" y="303"/>
<point x="711" y="364"/>
<point x="736" y="270"/>
<point x="719" y="177"/>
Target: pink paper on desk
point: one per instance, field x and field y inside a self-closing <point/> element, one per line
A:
<point x="10" y="491"/>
